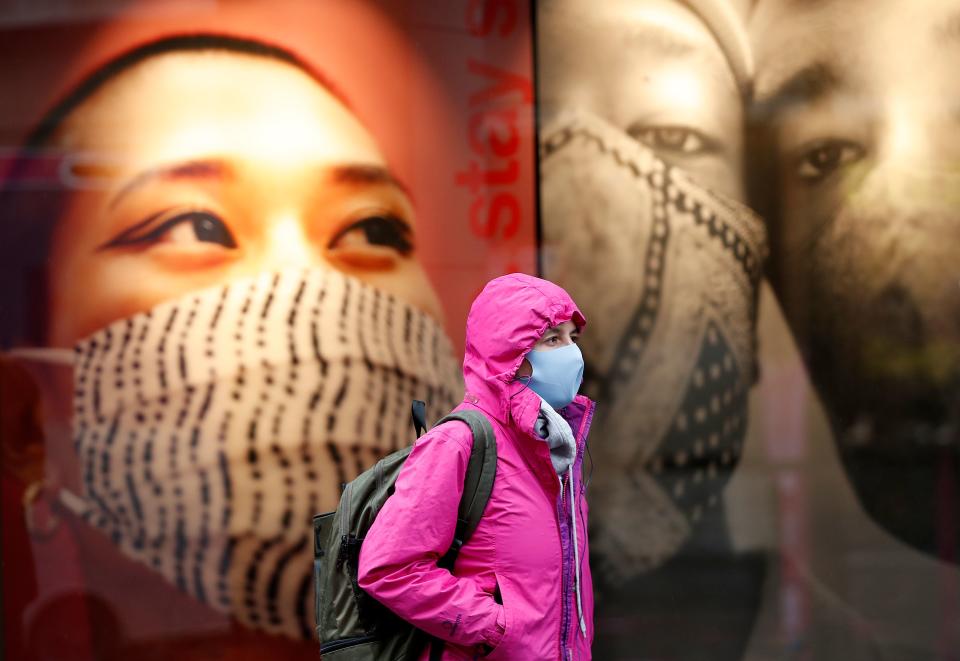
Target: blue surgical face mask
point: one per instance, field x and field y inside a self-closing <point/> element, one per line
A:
<point x="557" y="374"/>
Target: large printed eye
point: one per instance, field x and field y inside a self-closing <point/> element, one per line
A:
<point x="825" y="157"/>
<point x="385" y="231"/>
<point x="673" y="139"/>
<point x="177" y="227"/>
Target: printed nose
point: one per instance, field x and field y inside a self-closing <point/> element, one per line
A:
<point x="921" y="195"/>
<point x="917" y="164"/>
<point x="904" y="244"/>
<point x="923" y="192"/>
<point x="288" y="245"/>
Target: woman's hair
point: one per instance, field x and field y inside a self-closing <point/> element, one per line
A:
<point x="29" y="211"/>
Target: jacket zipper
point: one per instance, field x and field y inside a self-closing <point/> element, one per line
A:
<point x="564" y="577"/>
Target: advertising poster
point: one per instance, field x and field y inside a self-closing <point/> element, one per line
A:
<point x="238" y="239"/>
<point x="757" y="201"/>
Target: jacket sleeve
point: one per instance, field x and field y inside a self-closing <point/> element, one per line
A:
<point x="415" y="528"/>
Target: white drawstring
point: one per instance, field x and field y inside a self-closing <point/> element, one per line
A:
<point x="576" y="550"/>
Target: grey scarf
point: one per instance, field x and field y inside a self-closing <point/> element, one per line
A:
<point x="552" y="428"/>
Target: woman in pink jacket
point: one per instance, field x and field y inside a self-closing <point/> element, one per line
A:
<point x="521" y="586"/>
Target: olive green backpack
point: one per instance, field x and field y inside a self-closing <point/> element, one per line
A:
<point x="352" y="625"/>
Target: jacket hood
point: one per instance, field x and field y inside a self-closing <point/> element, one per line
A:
<point x="505" y="321"/>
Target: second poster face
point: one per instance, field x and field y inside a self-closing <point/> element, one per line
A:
<point x="688" y="149"/>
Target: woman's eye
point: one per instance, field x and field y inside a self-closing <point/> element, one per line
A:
<point x="825" y="158"/>
<point x="187" y="228"/>
<point x="386" y="231"/>
<point x="676" y="139"/>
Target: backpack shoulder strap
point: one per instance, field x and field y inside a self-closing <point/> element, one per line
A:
<point x="477" y="487"/>
<point x="478" y="483"/>
<point x="418" y="414"/>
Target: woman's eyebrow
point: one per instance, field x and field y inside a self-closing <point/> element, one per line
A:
<point x="203" y="169"/>
<point x="359" y="173"/>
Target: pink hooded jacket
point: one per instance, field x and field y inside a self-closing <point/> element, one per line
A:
<point x="521" y="555"/>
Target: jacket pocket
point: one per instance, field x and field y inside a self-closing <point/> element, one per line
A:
<point x="498" y="647"/>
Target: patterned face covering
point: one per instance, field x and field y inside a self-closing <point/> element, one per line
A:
<point x="213" y="427"/>
<point x="668" y="274"/>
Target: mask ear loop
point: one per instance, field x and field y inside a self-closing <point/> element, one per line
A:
<point x="525" y="380"/>
<point x="54" y="355"/>
<point x="33" y="495"/>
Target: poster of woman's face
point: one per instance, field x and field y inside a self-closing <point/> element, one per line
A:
<point x="228" y="274"/>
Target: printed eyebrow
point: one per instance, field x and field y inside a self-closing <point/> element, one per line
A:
<point x="203" y="169"/>
<point x="805" y="86"/>
<point x="947" y="32"/>
<point x="361" y="174"/>
<point x="661" y="41"/>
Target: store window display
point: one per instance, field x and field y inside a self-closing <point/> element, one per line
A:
<point x="226" y="319"/>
